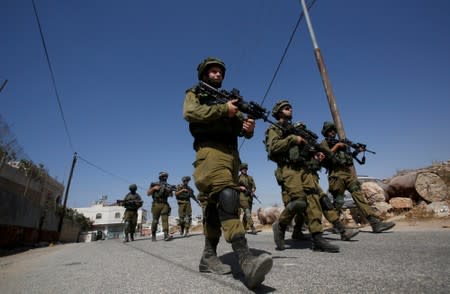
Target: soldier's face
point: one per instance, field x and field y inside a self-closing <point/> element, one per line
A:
<point x="215" y="74"/>
<point x="287" y="111"/>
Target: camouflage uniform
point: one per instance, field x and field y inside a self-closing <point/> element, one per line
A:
<point x="246" y="198"/>
<point x="216" y="175"/>
<point x="341" y="178"/>
<point x="184" y="205"/>
<point x="297" y="174"/>
<point x="132" y="202"/>
<point x="160" y="206"/>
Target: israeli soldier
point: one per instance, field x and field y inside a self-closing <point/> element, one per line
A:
<point x="160" y="192"/>
<point x="183" y="195"/>
<point x="296" y="170"/>
<point x="341" y="178"/>
<point x="132" y="202"/>
<point x="247" y="189"/>
<point x="216" y="127"/>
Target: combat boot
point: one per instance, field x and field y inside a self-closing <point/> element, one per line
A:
<point x="186" y="232"/>
<point x="126" y="238"/>
<point x="153" y="236"/>
<point x="253" y="230"/>
<point x="320" y="244"/>
<point x="132" y="237"/>
<point x="379" y="226"/>
<point x="278" y="234"/>
<point x="167" y="236"/>
<point x="346" y="234"/>
<point x="254" y="267"/>
<point x="210" y="263"/>
<point x="297" y="234"/>
<point x="181" y="230"/>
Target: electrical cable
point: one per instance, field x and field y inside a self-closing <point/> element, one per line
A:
<point x="53" y="78"/>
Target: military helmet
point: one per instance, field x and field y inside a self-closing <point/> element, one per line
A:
<point x="163" y="175"/>
<point x="243" y="165"/>
<point x="186" y="178"/>
<point x="278" y="107"/>
<point x="207" y="63"/>
<point x="328" y="126"/>
<point x="133" y="187"/>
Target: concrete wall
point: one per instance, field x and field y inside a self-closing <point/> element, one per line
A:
<point x="27" y="210"/>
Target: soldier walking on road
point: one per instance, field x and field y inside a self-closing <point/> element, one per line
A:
<point x="248" y="188"/>
<point x="184" y="194"/>
<point x="132" y="202"/>
<point x="341" y="178"/>
<point x="215" y="127"/>
<point x="160" y="192"/>
<point x="297" y="167"/>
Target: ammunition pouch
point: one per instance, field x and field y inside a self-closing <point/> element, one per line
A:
<point x="326" y="204"/>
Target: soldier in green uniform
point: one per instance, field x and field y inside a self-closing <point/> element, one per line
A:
<point x="160" y="192"/>
<point x="132" y="202"/>
<point x="216" y="127"/>
<point x="296" y="172"/>
<point x="184" y="194"/>
<point x="341" y="178"/>
<point x="248" y="188"/>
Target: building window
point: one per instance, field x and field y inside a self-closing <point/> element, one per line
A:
<point x="117" y="215"/>
<point x="98" y="216"/>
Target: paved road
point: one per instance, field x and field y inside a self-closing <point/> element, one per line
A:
<point x="397" y="262"/>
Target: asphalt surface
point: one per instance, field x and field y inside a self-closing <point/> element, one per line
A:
<point x="393" y="262"/>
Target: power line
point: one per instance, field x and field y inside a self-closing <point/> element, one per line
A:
<point x="300" y="18"/>
<point x="285" y="52"/>
<point x="53" y="78"/>
<point x="108" y="172"/>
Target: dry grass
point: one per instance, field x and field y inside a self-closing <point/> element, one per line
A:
<point x="419" y="212"/>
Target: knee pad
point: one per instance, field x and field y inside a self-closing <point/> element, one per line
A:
<point x="354" y="187"/>
<point x="154" y="222"/>
<point x="326" y="204"/>
<point x="297" y="205"/>
<point x="228" y="205"/>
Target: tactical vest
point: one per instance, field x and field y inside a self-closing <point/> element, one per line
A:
<point x="185" y="196"/>
<point x="341" y="157"/>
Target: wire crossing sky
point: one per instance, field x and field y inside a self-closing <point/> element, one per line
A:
<point x="121" y="71"/>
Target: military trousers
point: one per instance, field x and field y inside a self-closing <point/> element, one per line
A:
<point x="246" y="203"/>
<point x="130" y="218"/>
<point x="185" y="213"/>
<point x="161" y="209"/>
<point x="300" y="184"/>
<point x="342" y="180"/>
<point x="217" y="168"/>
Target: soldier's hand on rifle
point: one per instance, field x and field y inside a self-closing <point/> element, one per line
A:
<point x="319" y="156"/>
<point x="300" y="140"/>
<point x="242" y="188"/>
<point x="249" y="125"/>
<point x="232" y="108"/>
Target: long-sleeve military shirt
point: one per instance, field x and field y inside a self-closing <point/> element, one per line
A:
<point x="208" y="119"/>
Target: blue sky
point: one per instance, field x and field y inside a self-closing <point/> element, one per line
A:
<point x="121" y="70"/>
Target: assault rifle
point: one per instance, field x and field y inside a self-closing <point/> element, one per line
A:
<point x="357" y="148"/>
<point x="130" y="204"/>
<point x="256" y="197"/>
<point x="299" y="129"/>
<point x="191" y="194"/>
<point x="252" y="109"/>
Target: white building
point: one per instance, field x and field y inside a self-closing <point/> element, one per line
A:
<point x="108" y="218"/>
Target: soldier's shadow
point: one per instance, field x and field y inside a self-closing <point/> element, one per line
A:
<point x="231" y="259"/>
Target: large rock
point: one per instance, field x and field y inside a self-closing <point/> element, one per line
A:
<point x="373" y="192"/>
<point x="382" y="207"/>
<point x="268" y="215"/>
<point x="440" y="209"/>
<point x="401" y="203"/>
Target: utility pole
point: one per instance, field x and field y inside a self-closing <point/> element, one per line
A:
<point x="325" y="80"/>
<point x="324" y="74"/>
<point x="65" y="195"/>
